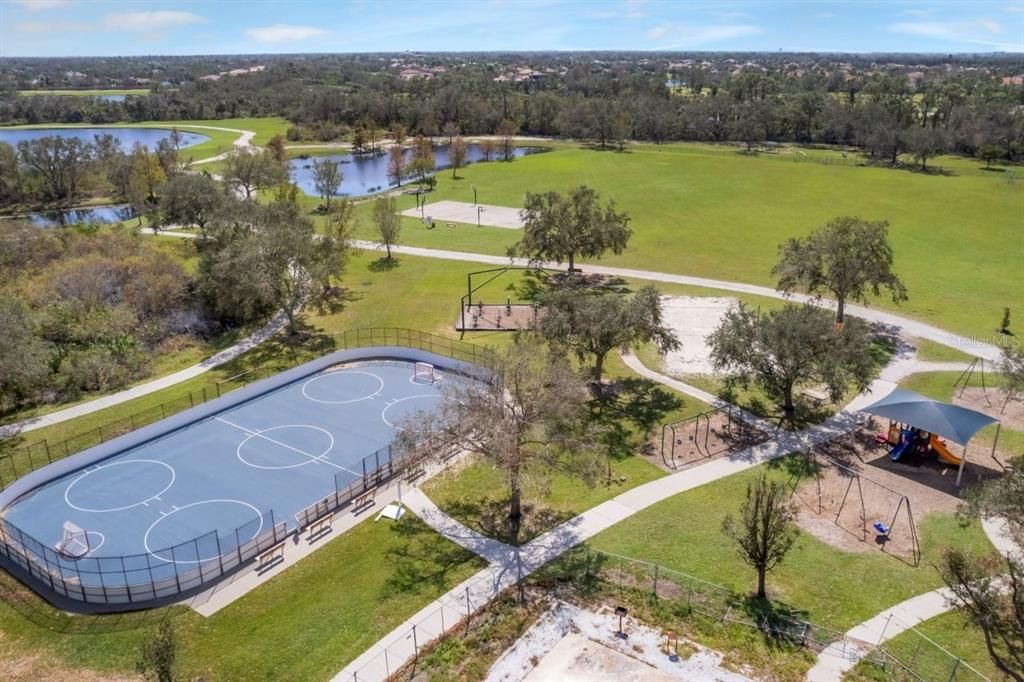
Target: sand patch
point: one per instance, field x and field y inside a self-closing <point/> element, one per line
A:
<point x="693" y="318"/>
<point x="570" y="644"/>
<point x="857" y="484"/>
<point x="991" y="403"/>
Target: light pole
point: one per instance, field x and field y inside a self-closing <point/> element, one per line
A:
<point x="474" y="195"/>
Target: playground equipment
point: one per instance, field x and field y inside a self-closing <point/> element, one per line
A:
<point x="964" y="380"/>
<point x="696" y="438"/>
<point x="929" y="418"/>
<point x="475" y="315"/>
<point x="858" y="489"/>
<point x="942" y="452"/>
<point x="906" y="440"/>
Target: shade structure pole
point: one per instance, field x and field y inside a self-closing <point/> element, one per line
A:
<point x="960" y="469"/>
<point x="995" y="441"/>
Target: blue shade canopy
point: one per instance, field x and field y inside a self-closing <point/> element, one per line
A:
<point x="956" y="423"/>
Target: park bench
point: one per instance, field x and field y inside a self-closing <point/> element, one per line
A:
<point x="320" y="527"/>
<point x="271" y="557"/>
<point x="414" y="472"/>
<point x="363" y="500"/>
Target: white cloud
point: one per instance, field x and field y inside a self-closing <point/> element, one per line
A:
<point x="687" y="35"/>
<point x="1015" y="9"/>
<point x="981" y="31"/>
<point x="947" y="30"/>
<point x="150" y="21"/>
<point x="40" y="5"/>
<point x="279" y="33"/>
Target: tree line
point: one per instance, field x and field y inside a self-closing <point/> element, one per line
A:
<point x="885" y="112"/>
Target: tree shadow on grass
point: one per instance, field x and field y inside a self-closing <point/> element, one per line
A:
<point x="384" y="264"/>
<point x="335" y="299"/>
<point x="783" y="626"/>
<point x="489" y="516"/>
<point x="420" y="560"/>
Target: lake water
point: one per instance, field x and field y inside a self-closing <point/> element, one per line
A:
<point x="74" y="216"/>
<point x="126" y="136"/>
<point x="366" y="174"/>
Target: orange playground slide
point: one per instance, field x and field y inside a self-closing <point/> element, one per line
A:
<point x="943" y="452"/>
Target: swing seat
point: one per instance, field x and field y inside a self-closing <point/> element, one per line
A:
<point x="881" y="528"/>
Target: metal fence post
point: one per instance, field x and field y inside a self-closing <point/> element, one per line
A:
<point x="415" y="646"/>
<point x="655" y="582"/>
<point x="469" y="612"/>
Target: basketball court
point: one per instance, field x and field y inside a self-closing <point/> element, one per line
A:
<point x="443" y="213"/>
<point x="217" y="479"/>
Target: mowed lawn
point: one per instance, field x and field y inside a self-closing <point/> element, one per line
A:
<point x="834" y="588"/>
<point x="306" y="623"/>
<point x="716" y="213"/>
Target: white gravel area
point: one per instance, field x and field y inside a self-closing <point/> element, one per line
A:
<point x="693" y="318"/>
<point x="569" y="644"/>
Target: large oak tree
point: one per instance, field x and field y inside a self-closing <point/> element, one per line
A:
<point x="848" y="257"/>
<point x="563" y="228"/>
<point x="796" y="345"/>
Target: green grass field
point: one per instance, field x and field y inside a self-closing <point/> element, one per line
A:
<point x="306" y="623"/>
<point x="86" y="93"/>
<point x="711" y="211"/>
<point x="834" y="588"/>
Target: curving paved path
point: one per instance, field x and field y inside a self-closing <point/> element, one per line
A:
<point x="909" y="327"/>
<point x="508" y="565"/>
<point x="244" y="140"/>
<point x="508" y="568"/>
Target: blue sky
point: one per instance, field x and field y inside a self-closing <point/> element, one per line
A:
<point x="127" y="27"/>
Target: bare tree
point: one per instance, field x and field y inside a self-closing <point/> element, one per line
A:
<point x="457" y="154"/>
<point x="396" y="164"/>
<point x="528" y="419"/>
<point x="487" y="148"/>
<point x="451" y="131"/>
<point x="507" y="130"/>
<point x="387" y="221"/>
<point x="766" y="529"/>
<point x="327" y="178"/>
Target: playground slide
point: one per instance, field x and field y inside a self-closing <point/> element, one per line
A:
<point x="901" y="447"/>
<point x="943" y="452"/>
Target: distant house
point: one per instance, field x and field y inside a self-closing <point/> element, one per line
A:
<point x="1014" y="80"/>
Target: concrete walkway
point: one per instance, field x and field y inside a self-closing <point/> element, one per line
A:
<point x="907" y="326"/>
<point x="838" y="658"/>
<point x="226" y="355"/>
<point x="508" y="565"/>
<point x="506" y="570"/>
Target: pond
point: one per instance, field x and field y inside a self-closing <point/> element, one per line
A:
<point x="105" y="215"/>
<point x="126" y="136"/>
<point x="366" y="174"/>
